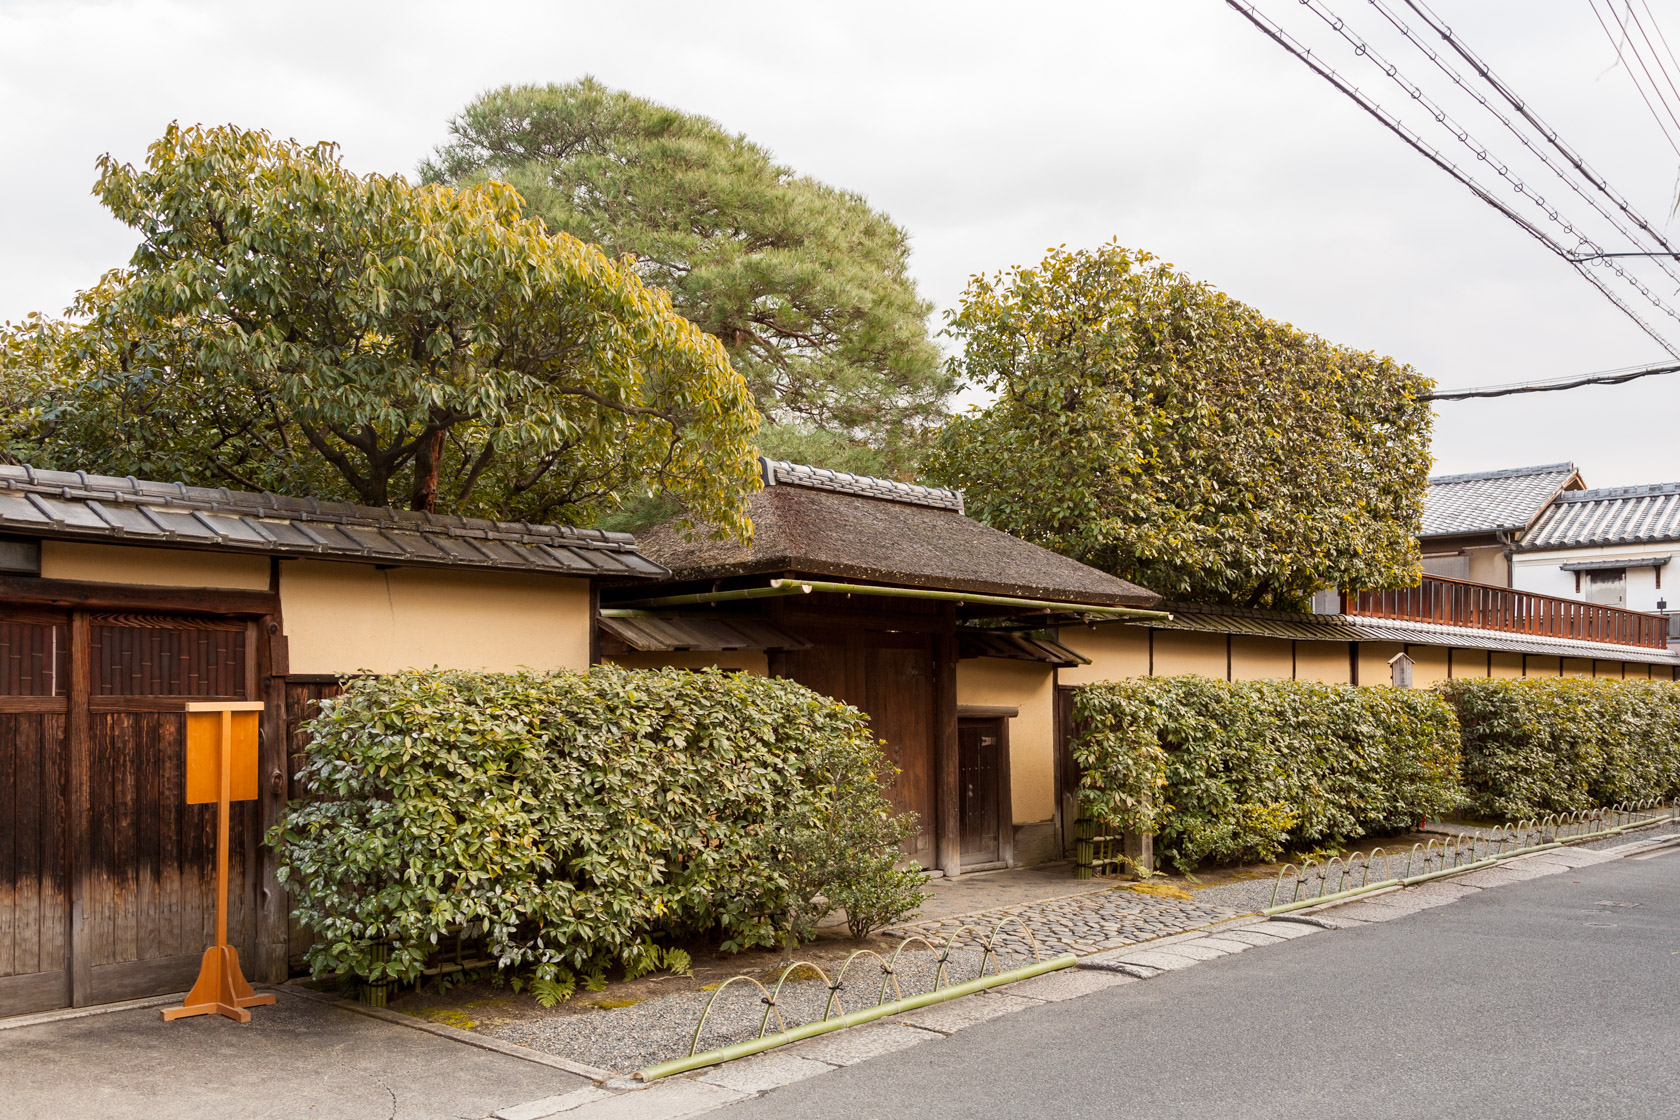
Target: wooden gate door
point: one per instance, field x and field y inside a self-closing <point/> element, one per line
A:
<point x="147" y="889"/>
<point x="106" y="875"/>
<point x="889" y="675"/>
<point x="34" y="870"/>
<point x="980" y="778"/>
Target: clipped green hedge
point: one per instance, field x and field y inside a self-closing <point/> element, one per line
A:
<point x="1248" y="770"/>
<point x="570" y="820"/>
<point x="1533" y="747"/>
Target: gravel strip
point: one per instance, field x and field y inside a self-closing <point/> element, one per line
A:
<point x="626" y="1039"/>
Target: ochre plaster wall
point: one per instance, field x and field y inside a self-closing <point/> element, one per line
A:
<point x="1325" y="662"/>
<point x="343" y="618"/>
<point x="1507" y="666"/>
<point x="1611" y="669"/>
<point x="1429" y="665"/>
<point x="1468" y="663"/>
<point x="1539" y="665"/>
<point x="1373" y="662"/>
<point x="1117" y="651"/>
<point x="1181" y="652"/>
<point x="1577" y="667"/>
<point x="153" y="567"/>
<point x="1261" y="659"/>
<point x="747" y="660"/>
<point x="1030" y="687"/>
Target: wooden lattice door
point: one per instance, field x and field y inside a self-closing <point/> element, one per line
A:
<point x="148" y="889"/>
<point x="106" y="875"/>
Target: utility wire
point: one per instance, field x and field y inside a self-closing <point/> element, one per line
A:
<point x="1503" y="88"/>
<point x="1634" y="77"/>
<point x="1594" y="181"/>
<point x="1652" y="18"/>
<point x="1633" y="17"/>
<point x="1482" y="153"/>
<point x="1613" y="377"/>
<point x="1278" y="35"/>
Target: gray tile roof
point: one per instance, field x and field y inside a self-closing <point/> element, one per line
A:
<point x="1488" y="501"/>
<point x="778" y="473"/>
<point x="1624" y="515"/>
<point x="81" y="506"/>
<point x="1350" y="628"/>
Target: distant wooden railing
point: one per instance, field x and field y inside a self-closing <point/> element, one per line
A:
<point x="1457" y="602"/>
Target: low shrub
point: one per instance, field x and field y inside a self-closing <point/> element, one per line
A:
<point x="572" y="820"/>
<point x="1539" y="746"/>
<point x="1247" y="770"/>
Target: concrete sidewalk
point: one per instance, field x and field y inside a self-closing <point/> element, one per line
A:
<point x="300" y="1058"/>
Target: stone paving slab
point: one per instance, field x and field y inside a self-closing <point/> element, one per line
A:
<point x="1289" y="929"/>
<point x="1252" y="936"/>
<point x="848" y="1047"/>
<point x="1068" y="983"/>
<point x="1225" y="944"/>
<point x="664" y="1100"/>
<point x="551" y="1106"/>
<point x="762" y="1072"/>
<point x="947" y="1018"/>
<point x="1161" y="959"/>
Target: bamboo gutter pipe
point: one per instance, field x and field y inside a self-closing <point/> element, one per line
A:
<point x="779" y="587"/>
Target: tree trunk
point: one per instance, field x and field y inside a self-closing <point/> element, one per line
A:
<point x="428" y="459"/>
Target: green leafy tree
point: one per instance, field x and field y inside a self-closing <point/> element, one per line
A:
<point x="1156" y="428"/>
<point x="806" y="286"/>
<point x="288" y="325"/>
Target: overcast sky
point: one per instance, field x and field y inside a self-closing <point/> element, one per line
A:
<point x="991" y="132"/>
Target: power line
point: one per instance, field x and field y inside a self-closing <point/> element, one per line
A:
<point x="1484" y="154"/>
<point x="1634" y="78"/>
<point x="1613" y="377"/>
<point x="1278" y="35"/>
<point x="1593" y="179"/>
<point x="1503" y="88"/>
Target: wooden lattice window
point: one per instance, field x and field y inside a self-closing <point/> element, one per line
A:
<point x="157" y="655"/>
<point x="34" y="658"/>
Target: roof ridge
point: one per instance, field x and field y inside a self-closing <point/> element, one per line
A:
<point x="1643" y="490"/>
<point x="779" y="472"/>
<point x="1506" y="472"/>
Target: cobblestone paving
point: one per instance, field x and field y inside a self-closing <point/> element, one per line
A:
<point x="1084" y="925"/>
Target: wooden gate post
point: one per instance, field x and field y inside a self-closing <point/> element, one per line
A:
<point x="221" y="767"/>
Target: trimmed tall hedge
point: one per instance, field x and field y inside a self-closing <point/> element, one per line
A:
<point x="1248" y="770"/>
<point x="571" y="819"/>
<point x="1539" y="746"/>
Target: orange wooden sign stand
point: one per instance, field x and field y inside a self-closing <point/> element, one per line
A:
<point x="221" y="767"/>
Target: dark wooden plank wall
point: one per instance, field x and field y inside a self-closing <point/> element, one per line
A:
<point x="34" y="868"/>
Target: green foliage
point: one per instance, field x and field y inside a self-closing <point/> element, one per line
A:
<point x="568" y="820"/>
<point x="1533" y="747"/>
<point x="844" y="855"/>
<point x="1247" y="770"/>
<point x="288" y="325"/>
<point x="1156" y="428"/>
<point x="806" y="286"/>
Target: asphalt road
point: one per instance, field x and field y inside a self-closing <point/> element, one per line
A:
<point x="1559" y="997"/>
